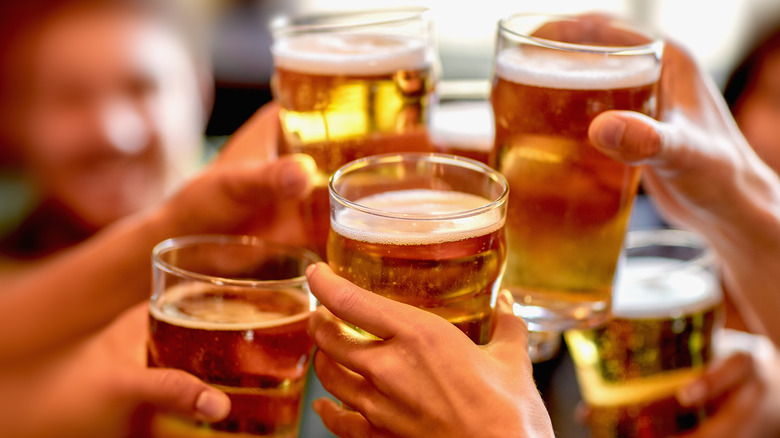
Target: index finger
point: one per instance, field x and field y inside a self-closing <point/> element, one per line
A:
<point x="380" y="316"/>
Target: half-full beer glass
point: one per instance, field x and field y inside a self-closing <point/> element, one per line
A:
<point x="423" y="229"/>
<point x="569" y="204"/>
<point x="666" y="310"/>
<point x="233" y="311"/>
<point x="352" y="85"/>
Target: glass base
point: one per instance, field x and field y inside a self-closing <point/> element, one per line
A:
<point x="559" y="317"/>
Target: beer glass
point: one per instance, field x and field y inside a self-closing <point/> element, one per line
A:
<point x="569" y="204"/>
<point x="352" y="85"/>
<point x="666" y="309"/>
<point x="233" y="311"/>
<point x="423" y="229"/>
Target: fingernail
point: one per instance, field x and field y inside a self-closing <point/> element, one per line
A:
<point x="310" y="269"/>
<point x="610" y="133"/>
<point x="317" y="405"/>
<point x="693" y="394"/>
<point x="212" y="405"/>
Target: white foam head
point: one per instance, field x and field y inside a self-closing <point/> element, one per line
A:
<point x="575" y="71"/>
<point x="651" y="287"/>
<point x="349" y="54"/>
<point x="220" y="314"/>
<point x="425" y="204"/>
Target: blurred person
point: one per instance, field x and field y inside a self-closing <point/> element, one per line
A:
<point x="103" y="104"/>
<point x="752" y="92"/>
<point x="61" y="371"/>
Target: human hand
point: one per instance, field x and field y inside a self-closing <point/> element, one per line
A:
<point x="95" y="389"/>
<point x="696" y="163"/>
<point x="738" y="394"/>
<point x="741" y="392"/>
<point x="420" y="375"/>
<point x="705" y="176"/>
<point x="254" y="197"/>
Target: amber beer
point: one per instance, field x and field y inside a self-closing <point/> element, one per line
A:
<point x="660" y="339"/>
<point x="345" y="95"/>
<point x="569" y="204"/>
<point x="233" y="311"/>
<point x="412" y="240"/>
<point x="251" y="345"/>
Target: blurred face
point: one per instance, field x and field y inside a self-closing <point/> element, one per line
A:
<point x="114" y="114"/>
<point x="758" y="113"/>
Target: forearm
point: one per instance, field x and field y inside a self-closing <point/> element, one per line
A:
<point x="749" y="247"/>
<point x="79" y="290"/>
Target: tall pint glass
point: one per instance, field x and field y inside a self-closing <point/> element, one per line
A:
<point x="352" y="85"/>
<point x="423" y="229"/>
<point x="233" y="311"/>
<point x="569" y="204"/>
<point x="666" y="310"/>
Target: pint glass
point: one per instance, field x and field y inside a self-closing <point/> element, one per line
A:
<point x="349" y="86"/>
<point x="423" y="229"/>
<point x="666" y="308"/>
<point x="233" y="311"/>
<point x="569" y="204"/>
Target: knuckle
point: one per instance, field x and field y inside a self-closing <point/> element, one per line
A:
<point x="347" y="299"/>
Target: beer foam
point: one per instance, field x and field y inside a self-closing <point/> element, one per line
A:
<point x="220" y="314"/>
<point x="576" y="71"/>
<point x="651" y="287"/>
<point x="349" y="54"/>
<point x="425" y="205"/>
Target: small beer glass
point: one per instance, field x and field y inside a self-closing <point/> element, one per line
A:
<point x="233" y="311"/>
<point x="423" y="229"/>
<point x="666" y="312"/>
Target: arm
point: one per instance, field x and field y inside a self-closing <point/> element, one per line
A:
<point x="96" y="388"/>
<point x="420" y="375"/>
<point x="46" y="305"/>
<point x="704" y="176"/>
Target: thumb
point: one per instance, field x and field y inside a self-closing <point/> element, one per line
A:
<point x="638" y="139"/>
<point x="178" y="392"/>
<point x="508" y="328"/>
<point x="289" y="177"/>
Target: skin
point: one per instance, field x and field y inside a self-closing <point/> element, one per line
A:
<point x="112" y="114"/>
<point x="46" y="317"/>
<point x="758" y="111"/>
<point x="705" y="176"/>
<point x="94" y="389"/>
<point x="420" y="375"/>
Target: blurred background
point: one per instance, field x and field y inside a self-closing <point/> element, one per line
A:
<point x="235" y="34"/>
<point x="715" y="31"/>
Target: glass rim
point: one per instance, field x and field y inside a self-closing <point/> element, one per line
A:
<point x="243" y="240"/>
<point x="670" y="237"/>
<point x="653" y="47"/>
<point x="434" y="157"/>
<point x="318" y="22"/>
